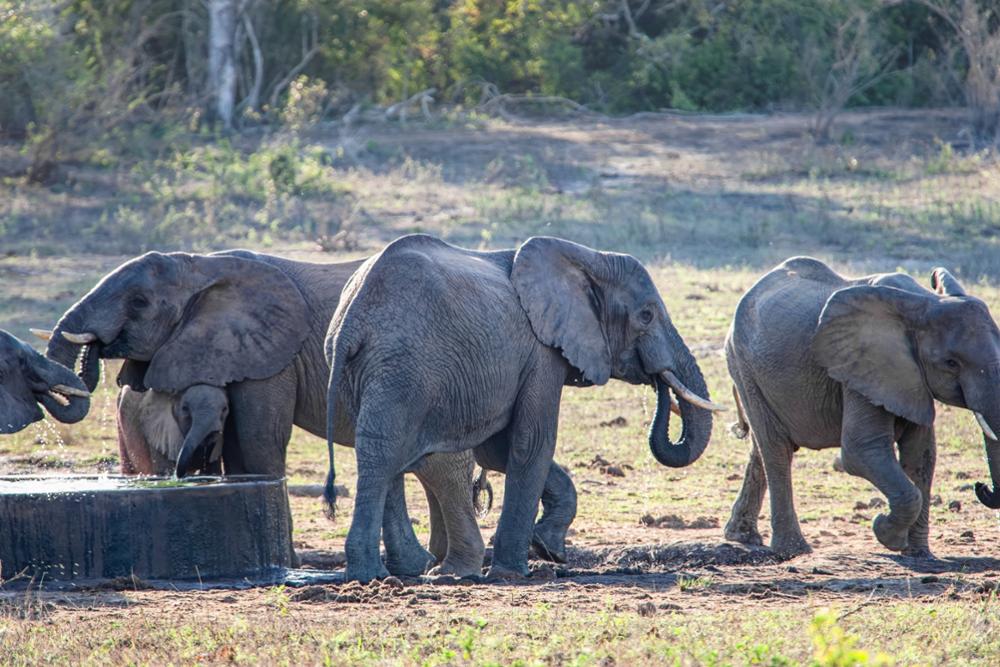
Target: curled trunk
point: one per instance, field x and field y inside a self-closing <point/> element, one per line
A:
<point x="66" y="353"/>
<point x="697" y="422"/>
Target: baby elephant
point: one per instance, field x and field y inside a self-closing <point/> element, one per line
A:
<point x="164" y="434"/>
<point x="823" y="361"/>
<point x="28" y="379"/>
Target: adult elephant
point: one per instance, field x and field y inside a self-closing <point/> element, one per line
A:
<point x="28" y="379"/>
<point x="488" y="341"/>
<point x="255" y="324"/>
<point x="823" y="361"/>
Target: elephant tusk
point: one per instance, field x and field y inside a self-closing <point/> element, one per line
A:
<point x="79" y="338"/>
<point x="44" y="334"/>
<point x="70" y="391"/>
<point x="675" y="407"/>
<point x="987" y="431"/>
<point x="689" y="395"/>
<point x="58" y="398"/>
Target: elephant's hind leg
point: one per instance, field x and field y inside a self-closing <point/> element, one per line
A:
<point x="448" y="478"/>
<point x="742" y="525"/>
<point x="404" y="555"/>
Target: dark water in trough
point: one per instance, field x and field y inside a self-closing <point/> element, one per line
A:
<point x="86" y="528"/>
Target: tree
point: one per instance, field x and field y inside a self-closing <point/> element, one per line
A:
<point x="222" y="60"/>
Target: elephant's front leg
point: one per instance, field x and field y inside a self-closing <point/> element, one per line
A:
<point x="403" y="553"/>
<point x="917" y="456"/>
<point x="866" y="440"/>
<point x="558" y="499"/>
<point x="533" y="439"/>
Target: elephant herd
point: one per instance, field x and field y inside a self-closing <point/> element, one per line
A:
<point x="428" y="358"/>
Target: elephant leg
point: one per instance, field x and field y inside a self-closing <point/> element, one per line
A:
<point x="364" y="562"/>
<point x="448" y="477"/>
<point x="403" y="553"/>
<point x="256" y="437"/>
<point x="867" y="436"/>
<point x="533" y="437"/>
<point x="742" y="525"/>
<point x="917" y="456"/>
<point x="771" y="455"/>
<point x="558" y="499"/>
<point x="438" y="543"/>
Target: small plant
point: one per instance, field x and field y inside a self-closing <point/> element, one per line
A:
<point x="834" y="647"/>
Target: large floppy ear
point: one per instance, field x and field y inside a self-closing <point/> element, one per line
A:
<point x="864" y="339"/>
<point x="945" y="284"/>
<point x="558" y="283"/>
<point x="246" y="320"/>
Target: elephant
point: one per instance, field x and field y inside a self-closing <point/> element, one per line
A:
<point x="819" y="361"/>
<point x="435" y="348"/>
<point x="27" y="379"/>
<point x="255" y="324"/>
<point x="167" y="434"/>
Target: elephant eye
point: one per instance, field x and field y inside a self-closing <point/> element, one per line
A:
<point x="646" y="316"/>
<point x="139" y="302"/>
<point x="951" y="363"/>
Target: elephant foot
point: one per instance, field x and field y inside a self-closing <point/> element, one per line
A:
<point x="891" y="536"/>
<point x="744" y="532"/>
<point x="549" y="543"/>
<point x="790" y="547"/>
<point x="365" y="574"/>
<point x="500" y="573"/>
<point x="921" y="552"/>
<point x="411" y="564"/>
<point x="457" y="570"/>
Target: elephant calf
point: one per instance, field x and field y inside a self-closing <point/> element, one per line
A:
<point x="165" y="434"/>
<point x="821" y="361"/>
<point x="27" y="379"/>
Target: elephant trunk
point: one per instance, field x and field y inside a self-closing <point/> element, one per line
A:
<point x="987" y="496"/>
<point x="198" y="450"/>
<point x="65" y="351"/>
<point x="697" y="421"/>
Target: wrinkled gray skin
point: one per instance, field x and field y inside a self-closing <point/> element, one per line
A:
<point x="166" y="434"/>
<point x="26" y="378"/>
<point x="822" y="361"/>
<point x="255" y="324"/>
<point x="490" y="340"/>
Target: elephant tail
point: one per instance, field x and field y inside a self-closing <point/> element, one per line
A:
<point x="481" y="488"/>
<point x="336" y="372"/>
<point x="741" y="427"/>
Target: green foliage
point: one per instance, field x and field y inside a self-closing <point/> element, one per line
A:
<point x="835" y="648"/>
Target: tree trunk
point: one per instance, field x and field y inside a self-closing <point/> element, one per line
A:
<point x="222" y="60"/>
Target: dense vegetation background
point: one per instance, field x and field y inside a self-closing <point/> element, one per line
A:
<point x="177" y="123"/>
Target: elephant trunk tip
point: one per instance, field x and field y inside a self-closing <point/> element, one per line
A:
<point x="987" y="496"/>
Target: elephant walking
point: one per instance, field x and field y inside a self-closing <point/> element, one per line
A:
<point x="255" y="324"/>
<point x="821" y="361"/>
<point x="438" y="349"/>
<point x="28" y="379"/>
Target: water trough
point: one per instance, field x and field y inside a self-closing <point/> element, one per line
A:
<point x="75" y="528"/>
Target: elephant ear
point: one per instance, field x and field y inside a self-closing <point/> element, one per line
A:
<point x="557" y="282"/>
<point x="245" y="320"/>
<point x="864" y="339"/>
<point x="945" y="284"/>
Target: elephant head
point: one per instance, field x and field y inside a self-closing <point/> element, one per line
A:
<point x="183" y="319"/>
<point x="903" y="349"/>
<point x="604" y="313"/>
<point x="27" y="379"/>
<point x="201" y="414"/>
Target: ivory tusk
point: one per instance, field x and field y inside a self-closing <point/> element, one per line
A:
<point x="675" y="407"/>
<point x="79" y="338"/>
<point x="44" y="334"/>
<point x="987" y="431"/>
<point x="689" y="395"/>
<point x="71" y="391"/>
<point x="58" y="398"/>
